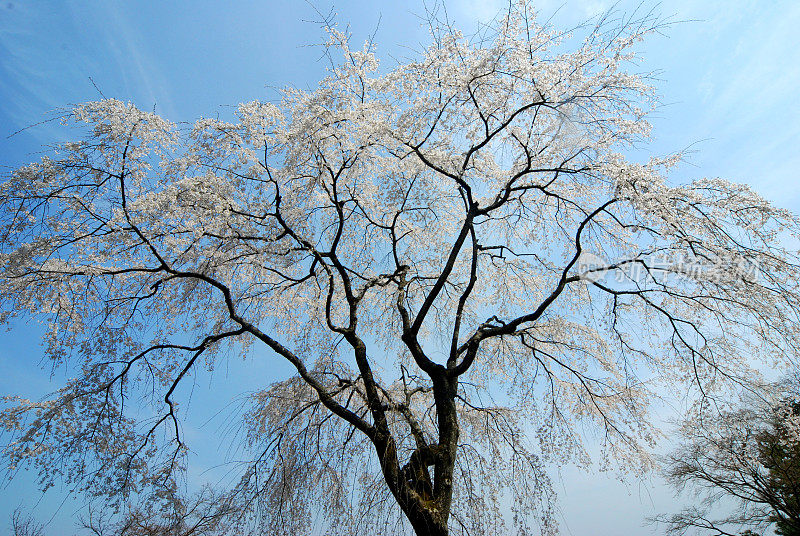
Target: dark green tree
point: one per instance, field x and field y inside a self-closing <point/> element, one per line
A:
<point x="745" y="454"/>
<point x="780" y="455"/>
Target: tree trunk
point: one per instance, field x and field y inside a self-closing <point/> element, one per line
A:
<point x="426" y="502"/>
<point x="444" y="391"/>
<point x="431" y="518"/>
<point x="428" y="525"/>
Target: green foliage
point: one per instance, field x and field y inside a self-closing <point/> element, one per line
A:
<point x="749" y="453"/>
<point x="780" y="455"/>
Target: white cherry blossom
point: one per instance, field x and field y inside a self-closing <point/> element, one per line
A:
<point x="409" y="238"/>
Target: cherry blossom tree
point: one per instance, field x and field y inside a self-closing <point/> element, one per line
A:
<point x="200" y="514"/>
<point x="457" y="255"/>
<point x="22" y="525"/>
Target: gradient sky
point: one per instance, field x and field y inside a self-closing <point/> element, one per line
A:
<point x="729" y="80"/>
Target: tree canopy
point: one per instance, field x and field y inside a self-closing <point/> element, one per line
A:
<point x="746" y="453"/>
<point x="457" y="255"/>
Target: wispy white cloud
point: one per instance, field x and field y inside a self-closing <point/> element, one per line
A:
<point x="484" y="11"/>
<point x="748" y="93"/>
<point x="140" y="70"/>
<point x="30" y="86"/>
<point x="50" y="54"/>
<point x="480" y="11"/>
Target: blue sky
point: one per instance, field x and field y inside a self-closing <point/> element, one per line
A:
<point x="729" y="81"/>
